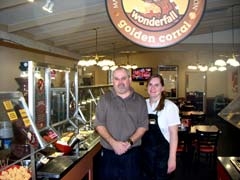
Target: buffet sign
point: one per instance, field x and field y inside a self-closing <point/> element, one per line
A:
<point x="14" y="111"/>
<point x="155" y="24"/>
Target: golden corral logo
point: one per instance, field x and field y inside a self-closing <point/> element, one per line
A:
<point x="155" y="23"/>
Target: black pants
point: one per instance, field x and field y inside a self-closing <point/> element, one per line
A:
<point x="119" y="167"/>
<point x="154" y="163"/>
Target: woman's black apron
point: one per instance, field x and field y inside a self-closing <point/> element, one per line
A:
<point x="155" y="149"/>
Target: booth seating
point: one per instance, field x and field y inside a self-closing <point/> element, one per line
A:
<point x="219" y="103"/>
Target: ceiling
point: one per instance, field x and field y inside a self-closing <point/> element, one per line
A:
<point x="70" y="30"/>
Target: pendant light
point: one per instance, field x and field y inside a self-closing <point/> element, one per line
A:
<point x="212" y="68"/>
<point x="48" y="6"/>
<point x="232" y="60"/>
<point x="192" y="67"/>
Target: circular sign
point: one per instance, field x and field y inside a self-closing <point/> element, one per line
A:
<point x="155" y="23"/>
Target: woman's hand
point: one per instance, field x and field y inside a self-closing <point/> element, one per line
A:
<point x="171" y="165"/>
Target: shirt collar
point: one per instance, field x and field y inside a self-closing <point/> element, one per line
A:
<point x="132" y="95"/>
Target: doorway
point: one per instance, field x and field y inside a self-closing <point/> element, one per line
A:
<point x="196" y="89"/>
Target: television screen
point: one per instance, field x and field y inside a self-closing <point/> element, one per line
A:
<point x="141" y="74"/>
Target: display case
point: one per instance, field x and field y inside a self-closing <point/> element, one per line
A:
<point x="54" y="118"/>
<point x="231" y="113"/>
<point x="19" y="137"/>
<point x="88" y="98"/>
<point x="49" y="100"/>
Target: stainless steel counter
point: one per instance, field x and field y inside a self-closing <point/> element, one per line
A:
<point x="57" y="167"/>
<point x="229" y="167"/>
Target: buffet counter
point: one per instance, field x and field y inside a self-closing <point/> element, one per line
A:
<point x="228" y="168"/>
<point x="74" y="167"/>
<point x="231" y="113"/>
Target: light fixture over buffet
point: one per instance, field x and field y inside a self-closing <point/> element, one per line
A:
<point x="220" y="64"/>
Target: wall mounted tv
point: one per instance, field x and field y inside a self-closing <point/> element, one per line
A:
<point x="141" y="74"/>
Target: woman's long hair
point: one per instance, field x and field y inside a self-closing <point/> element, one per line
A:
<point x="160" y="105"/>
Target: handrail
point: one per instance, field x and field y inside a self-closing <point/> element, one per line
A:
<point x="95" y="86"/>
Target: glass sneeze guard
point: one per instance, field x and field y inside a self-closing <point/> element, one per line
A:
<point x="23" y="134"/>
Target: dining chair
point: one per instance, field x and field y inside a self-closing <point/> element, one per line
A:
<point x="197" y="119"/>
<point x="182" y="148"/>
<point x="206" y="145"/>
<point x="188" y="107"/>
<point x="182" y="142"/>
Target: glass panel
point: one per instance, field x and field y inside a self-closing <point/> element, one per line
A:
<point x="58" y="105"/>
<point x="18" y="133"/>
<point x="231" y="112"/>
<point x="40" y="97"/>
<point x="89" y="96"/>
<point x="88" y="100"/>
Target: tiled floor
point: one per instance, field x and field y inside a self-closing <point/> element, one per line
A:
<point x="228" y="146"/>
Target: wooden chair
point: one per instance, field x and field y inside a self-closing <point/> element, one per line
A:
<point x="206" y="145"/>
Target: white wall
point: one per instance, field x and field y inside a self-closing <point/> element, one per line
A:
<point x="217" y="82"/>
<point x="10" y="59"/>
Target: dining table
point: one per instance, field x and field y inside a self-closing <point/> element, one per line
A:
<point x="189" y="113"/>
<point x="196" y="117"/>
<point x="191" y="136"/>
<point x="206" y="128"/>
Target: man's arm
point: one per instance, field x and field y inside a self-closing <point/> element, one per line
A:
<point x="119" y="147"/>
<point x="138" y="134"/>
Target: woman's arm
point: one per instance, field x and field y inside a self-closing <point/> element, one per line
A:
<point x="173" y="131"/>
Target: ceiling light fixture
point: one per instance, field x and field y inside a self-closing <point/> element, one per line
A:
<point x="203" y="68"/>
<point x="48" y="6"/>
<point x="105" y="64"/>
<point x="128" y="65"/>
<point x="222" y="68"/>
<point x="212" y="68"/>
<point x="232" y="60"/>
<point x="105" y="68"/>
<point x="134" y="66"/>
<point x="220" y="62"/>
<point x="192" y="67"/>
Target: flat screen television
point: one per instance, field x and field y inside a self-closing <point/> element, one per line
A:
<point x="141" y="74"/>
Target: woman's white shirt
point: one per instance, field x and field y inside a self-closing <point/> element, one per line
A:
<point x="168" y="116"/>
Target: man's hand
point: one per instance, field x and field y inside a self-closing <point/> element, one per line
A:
<point x="120" y="147"/>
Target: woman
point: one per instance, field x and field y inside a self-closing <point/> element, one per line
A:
<point x="159" y="143"/>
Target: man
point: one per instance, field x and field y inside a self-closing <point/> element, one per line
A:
<point x="121" y="121"/>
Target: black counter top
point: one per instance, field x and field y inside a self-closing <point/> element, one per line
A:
<point x="229" y="167"/>
<point x="58" y="167"/>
